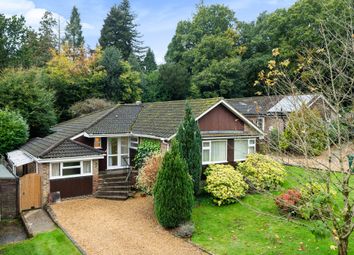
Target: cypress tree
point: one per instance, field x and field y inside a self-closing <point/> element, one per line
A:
<point x="73" y="31"/>
<point x="189" y="138"/>
<point x="149" y="61"/>
<point x="119" y="30"/>
<point x="173" y="192"/>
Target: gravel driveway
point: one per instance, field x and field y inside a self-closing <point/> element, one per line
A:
<point x="118" y="227"/>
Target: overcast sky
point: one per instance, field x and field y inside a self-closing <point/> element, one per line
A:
<point x="157" y="19"/>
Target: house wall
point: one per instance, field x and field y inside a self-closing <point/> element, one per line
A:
<point x="323" y="108"/>
<point x="221" y="119"/>
<point x="43" y="171"/>
<point x="270" y="122"/>
<point x="8" y="198"/>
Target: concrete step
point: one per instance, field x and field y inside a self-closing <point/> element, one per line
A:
<point x="113" y="178"/>
<point x="112" y="197"/>
<point x="114" y="188"/>
<point x="110" y="181"/>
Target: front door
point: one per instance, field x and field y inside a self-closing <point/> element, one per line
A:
<point x="117" y="153"/>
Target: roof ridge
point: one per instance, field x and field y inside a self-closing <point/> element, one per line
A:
<point x="187" y="99"/>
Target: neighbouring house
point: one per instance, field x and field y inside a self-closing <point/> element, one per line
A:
<point x="271" y="112"/>
<point x="92" y="154"/>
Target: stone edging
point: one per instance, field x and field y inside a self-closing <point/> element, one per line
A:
<point x="54" y="219"/>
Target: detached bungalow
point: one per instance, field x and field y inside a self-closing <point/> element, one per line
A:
<point x="92" y="154"/>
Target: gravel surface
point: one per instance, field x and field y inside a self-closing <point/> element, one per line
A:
<point x="118" y="227"/>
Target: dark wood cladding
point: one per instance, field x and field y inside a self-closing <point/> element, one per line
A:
<point x="220" y="118"/>
<point x="230" y="150"/>
<point x="72" y="187"/>
<point x="85" y="140"/>
<point x="102" y="163"/>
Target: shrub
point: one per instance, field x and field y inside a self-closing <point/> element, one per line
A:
<point x="13" y="131"/>
<point x="145" y="149"/>
<point x="315" y="200"/>
<point x="89" y="105"/>
<point x="147" y="175"/>
<point x="173" y="191"/>
<point x="288" y="201"/>
<point x="305" y="133"/>
<point x="225" y="184"/>
<point x="184" y="230"/>
<point x="261" y="172"/>
<point x="190" y="140"/>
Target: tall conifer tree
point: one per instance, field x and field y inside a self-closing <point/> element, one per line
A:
<point x="73" y="31"/>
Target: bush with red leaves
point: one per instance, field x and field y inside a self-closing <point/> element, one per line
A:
<point x="288" y="201"/>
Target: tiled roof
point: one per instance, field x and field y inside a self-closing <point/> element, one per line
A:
<point x="69" y="148"/>
<point x="162" y="119"/>
<point x="254" y="105"/>
<point x="117" y="121"/>
<point x="38" y="147"/>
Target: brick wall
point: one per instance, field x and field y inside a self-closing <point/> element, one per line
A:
<point x="95" y="175"/>
<point x="8" y="198"/>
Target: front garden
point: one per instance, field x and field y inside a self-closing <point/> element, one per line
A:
<point x="255" y="226"/>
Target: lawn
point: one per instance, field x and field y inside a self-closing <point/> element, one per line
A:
<point x="248" y="228"/>
<point x="49" y="243"/>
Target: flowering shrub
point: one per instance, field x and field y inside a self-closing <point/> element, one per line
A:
<point x="262" y="172"/>
<point x="148" y="173"/>
<point x="225" y="184"/>
<point x="288" y="201"/>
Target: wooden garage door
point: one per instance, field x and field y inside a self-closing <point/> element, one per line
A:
<point x="30" y="191"/>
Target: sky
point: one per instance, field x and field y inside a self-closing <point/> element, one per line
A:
<point x="157" y="19"/>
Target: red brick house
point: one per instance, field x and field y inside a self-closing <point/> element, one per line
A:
<point x="92" y="154"/>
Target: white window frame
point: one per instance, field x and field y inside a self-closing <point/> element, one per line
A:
<point x="119" y="154"/>
<point x="209" y="148"/>
<point x="250" y="145"/>
<point x="263" y="122"/>
<point x="134" y="142"/>
<point x="61" y="167"/>
<point x="100" y="143"/>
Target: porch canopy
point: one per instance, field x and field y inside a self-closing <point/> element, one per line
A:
<point x="18" y="158"/>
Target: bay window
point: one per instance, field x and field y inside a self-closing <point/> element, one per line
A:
<point x="214" y="151"/>
<point x="243" y="147"/>
<point x="118" y="152"/>
<point x="70" y="169"/>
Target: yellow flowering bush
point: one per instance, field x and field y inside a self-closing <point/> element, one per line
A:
<point x="262" y="172"/>
<point x="225" y="184"/>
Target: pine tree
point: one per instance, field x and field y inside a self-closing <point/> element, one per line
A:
<point x="73" y="31"/>
<point x="173" y="192"/>
<point x="149" y="61"/>
<point x="190" y="141"/>
<point x="119" y="30"/>
<point x="47" y="38"/>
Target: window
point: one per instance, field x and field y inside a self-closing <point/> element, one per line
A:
<point x="70" y="169"/>
<point x="214" y="152"/>
<point x="260" y="123"/>
<point x="118" y="152"/>
<point x="243" y="147"/>
<point x="97" y="143"/>
<point x="134" y="142"/>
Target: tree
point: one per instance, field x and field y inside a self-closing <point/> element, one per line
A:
<point x="119" y="30"/>
<point x="24" y="91"/>
<point x="74" y="80"/>
<point x="89" y="105"/>
<point x="325" y="70"/>
<point x="174" y="81"/>
<point x="13" y="131"/>
<point x="173" y="191"/>
<point x="208" y="47"/>
<point x="149" y="61"/>
<point x="130" y="82"/>
<point x="190" y="141"/>
<point x="73" y="32"/>
<point x="47" y="38"/>
<point x="150" y="84"/>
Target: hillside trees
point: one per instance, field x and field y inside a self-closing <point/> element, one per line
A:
<point x="73" y="32"/>
<point x="24" y="91"/>
<point x="119" y="30"/>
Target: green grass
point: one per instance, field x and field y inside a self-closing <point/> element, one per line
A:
<point x="49" y="243"/>
<point x="248" y="228"/>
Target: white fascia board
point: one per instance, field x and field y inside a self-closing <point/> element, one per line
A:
<point x="106" y="135"/>
<point x="69" y="159"/>
<point x="77" y="136"/>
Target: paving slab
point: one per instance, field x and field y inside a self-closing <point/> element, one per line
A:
<point x="37" y="221"/>
<point x="11" y="231"/>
